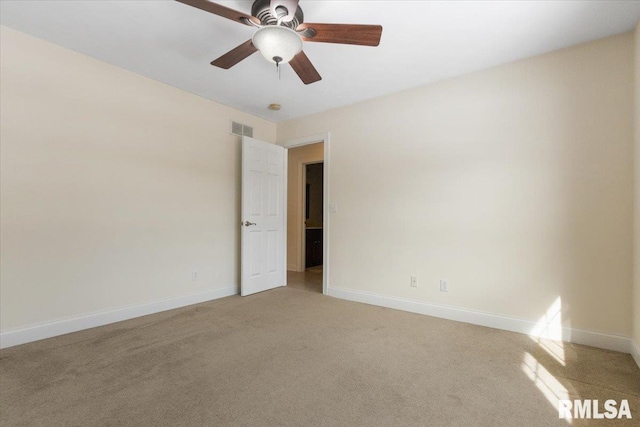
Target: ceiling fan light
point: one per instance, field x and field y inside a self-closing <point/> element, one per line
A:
<point x="277" y="44"/>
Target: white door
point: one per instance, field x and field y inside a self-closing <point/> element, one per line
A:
<point x="263" y="216"/>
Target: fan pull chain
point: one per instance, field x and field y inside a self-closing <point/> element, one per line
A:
<point x="277" y="60"/>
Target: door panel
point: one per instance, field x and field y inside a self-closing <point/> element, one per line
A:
<point x="263" y="203"/>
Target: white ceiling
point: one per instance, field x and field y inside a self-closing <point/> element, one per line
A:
<point x="422" y="42"/>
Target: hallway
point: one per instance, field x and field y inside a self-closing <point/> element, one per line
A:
<point x="310" y="280"/>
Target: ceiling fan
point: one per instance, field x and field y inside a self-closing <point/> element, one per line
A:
<point x="281" y="31"/>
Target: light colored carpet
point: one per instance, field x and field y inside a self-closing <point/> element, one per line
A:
<point x="292" y="358"/>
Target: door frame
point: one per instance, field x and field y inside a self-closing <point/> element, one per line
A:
<point x="307" y="140"/>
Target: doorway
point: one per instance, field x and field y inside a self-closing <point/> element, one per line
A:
<point x="305" y="217"/>
<point x="313" y="200"/>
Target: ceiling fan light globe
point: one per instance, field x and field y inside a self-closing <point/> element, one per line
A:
<point x="277" y="42"/>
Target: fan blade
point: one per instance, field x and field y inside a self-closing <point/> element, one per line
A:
<point x="290" y="5"/>
<point x="236" y="55"/>
<point x="363" y="35"/>
<point x="304" y="69"/>
<point x="220" y="10"/>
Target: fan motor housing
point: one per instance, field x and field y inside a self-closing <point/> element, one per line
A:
<point x="261" y="9"/>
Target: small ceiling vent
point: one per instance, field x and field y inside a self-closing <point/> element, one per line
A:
<point x="241" y="130"/>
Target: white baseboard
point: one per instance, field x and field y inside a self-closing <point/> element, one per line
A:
<point x="635" y="352"/>
<point x="100" y="318"/>
<point x="593" y="339"/>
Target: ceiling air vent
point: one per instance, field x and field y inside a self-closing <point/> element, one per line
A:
<point x="241" y="130"/>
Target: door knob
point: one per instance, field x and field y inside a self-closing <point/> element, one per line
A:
<point x="248" y="224"/>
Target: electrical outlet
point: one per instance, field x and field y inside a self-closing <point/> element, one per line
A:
<point x="414" y="282"/>
<point x="194" y="275"/>
<point x="444" y="285"/>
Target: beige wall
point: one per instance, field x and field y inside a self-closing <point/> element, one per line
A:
<point x="298" y="157"/>
<point x="636" y="280"/>
<point x="514" y="183"/>
<point x="114" y="187"/>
